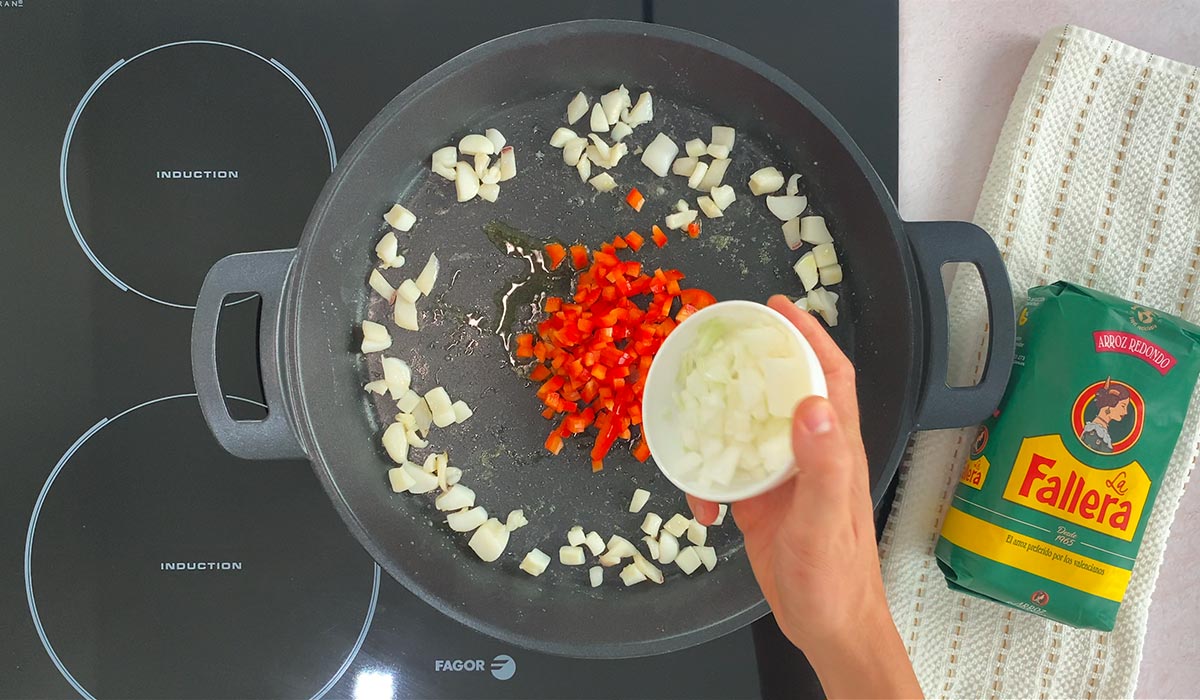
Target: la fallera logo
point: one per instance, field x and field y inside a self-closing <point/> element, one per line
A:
<point x="1107" y="417"/>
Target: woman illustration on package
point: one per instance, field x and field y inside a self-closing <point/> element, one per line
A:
<point x="1112" y="401"/>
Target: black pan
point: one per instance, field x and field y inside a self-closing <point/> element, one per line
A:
<point x="892" y="309"/>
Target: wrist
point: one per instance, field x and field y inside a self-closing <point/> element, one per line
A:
<point x="864" y="658"/>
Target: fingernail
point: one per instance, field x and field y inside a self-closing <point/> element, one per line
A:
<point x="818" y="419"/>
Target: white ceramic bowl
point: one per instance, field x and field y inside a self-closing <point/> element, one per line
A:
<point x="659" y="408"/>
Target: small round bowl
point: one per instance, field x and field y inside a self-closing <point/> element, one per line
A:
<point x="659" y="412"/>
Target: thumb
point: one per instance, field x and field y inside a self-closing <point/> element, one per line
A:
<point x="823" y="459"/>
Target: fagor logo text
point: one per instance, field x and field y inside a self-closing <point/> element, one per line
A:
<point x="502" y="667"/>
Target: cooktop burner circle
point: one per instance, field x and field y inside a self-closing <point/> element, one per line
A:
<point x="160" y="566"/>
<point x="192" y="150"/>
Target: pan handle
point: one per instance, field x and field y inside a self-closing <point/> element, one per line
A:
<point x="935" y="243"/>
<point x="265" y="274"/>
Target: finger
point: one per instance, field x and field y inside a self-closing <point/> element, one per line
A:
<point x="839" y="372"/>
<point x="705" y="512"/>
<point x="824" y="461"/>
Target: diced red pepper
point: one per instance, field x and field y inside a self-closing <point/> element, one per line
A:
<point x="697" y="298"/>
<point x="686" y="311"/>
<point x="539" y="373"/>
<point x="525" y="345"/>
<point x="635" y="240"/>
<point x="555" y="253"/>
<point x="693" y="229"/>
<point x="619" y="243"/>
<point x="553" y="304"/>
<point x="554" y="443"/>
<point x="660" y="238"/>
<point x="635" y="199"/>
<point x="579" y="257"/>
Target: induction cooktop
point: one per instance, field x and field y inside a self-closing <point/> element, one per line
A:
<point x="142" y="142"/>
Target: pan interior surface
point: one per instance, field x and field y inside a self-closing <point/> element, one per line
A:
<point x="521" y="85"/>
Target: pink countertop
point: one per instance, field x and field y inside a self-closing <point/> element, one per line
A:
<point x="960" y="62"/>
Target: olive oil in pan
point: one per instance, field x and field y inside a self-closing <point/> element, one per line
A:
<point x="528" y="291"/>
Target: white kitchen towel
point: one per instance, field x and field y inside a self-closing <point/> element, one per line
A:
<point x="1095" y="180"/>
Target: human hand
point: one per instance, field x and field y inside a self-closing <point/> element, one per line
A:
<point x="811" y="541"/>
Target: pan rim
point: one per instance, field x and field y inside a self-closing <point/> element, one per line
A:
<point x="295" y="387"/>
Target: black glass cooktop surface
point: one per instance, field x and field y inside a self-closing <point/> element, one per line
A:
<point x="142" y="142"/>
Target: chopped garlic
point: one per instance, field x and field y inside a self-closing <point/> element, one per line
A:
<point x="571" y="556"/>
<point x="639" y="500"/>
<point x="535" y="562"/>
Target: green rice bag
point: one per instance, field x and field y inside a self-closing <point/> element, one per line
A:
<point x="1050" y="510"/>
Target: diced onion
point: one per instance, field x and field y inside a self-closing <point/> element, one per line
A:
<point x="444" y="157"/>
<point x="476" y="144"/>
<point x="396" y="443"/>
<point x="447" y="171"/>
<point x="787" y="207"/>
<point x="813" y="230"/>
<point x="489" y="192"/>
<point x="651" y="524"/>
<point x="695" y="148"/>
<point x="598" y="121"/>
<point x="824" y="302"/>
<point x="408" y="291"/>
<point x="620" y="547"/>
<point x="680" y="219"/>
<point x="708" y="557"/>
<point x="715" y="174"/>
<point x="697" y="533"/>
<point x="639" y="500"/>
<point x="400" y="218"/>
<point x="830" y="275"/>
<point x="423" y="416"/>
<point x="456" y="497"/>
<point x="723" y="136"/>
<point x="611" y="104"/>
<point x="677" y="525"/>
<point x="802" y="304"/>
<point x="682" y="205"/>
<point x="766" y="181"/>
<point x="659" y="155"/>
<point x="684" y="166"/>
<point x="709" y="207"/>
<point x="491" y="176"/>
<point x="489" y="540"/>
<point x="375" y="337"/>
<point x="423" y="481"/>
<point x="584" y="168"/>
<point x="596" y="576"/>
<point x="603" y="183"/>
<point x="609" y="559"/>
<point x="641" y="112"/>
<point x="398" y="376"/>
<point x="461" y="411"/>
<point x="575" y="536"/>
<point x="594" y="543"/>
<point x="668" y="547"/>
<point x="516" y="519"/>
<point x="615" y="154"/>
<point x="431" y="464"/>
<point x="378" y="386"/>
<point x="399" y="480"/>
<point x="631" y="575"/>
<point x="440" y="406"/>
<point x="806" y="270"/>
<point x="404" y="314"/>
<point x="688" y="560"/>
<point x="562" y="136"/>
<point x="825" y="255"/>
<point x="508" y="164"/>
<point x="791" y="233"/>
<point x="414" y="438"/>
<point x="648" y="570"/>
<point x="381" y="286"/>
<point x="793" y="184"/>
<point x="722" y="509"/>
<point x="651" y="546"/>
<point x="571" y="556"/>
<point x="467" y="520"/>
<point x="428" y="275"/>
<point x="620" y="130"/>
<point x="453" y="476"/>
<point x="573" y="151"/>
<point x="387" y="251"/>
<point x="496" y="138"/>
<point x="723" y="196"/>
<point x="577" y="107"/>
<point x="716" y="150"/>
<point x="536" y="561"/>
<point x="466" y="182"/>
<point x="697" y="175"/>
